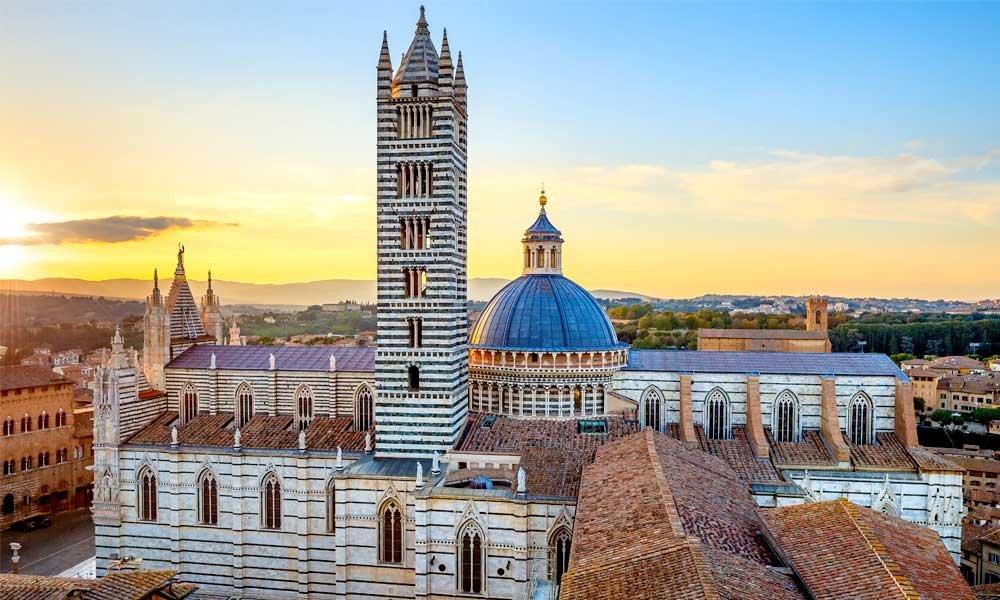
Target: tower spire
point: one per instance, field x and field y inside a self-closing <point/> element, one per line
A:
<point x="444" y="66"/>
<point x="422" y="22"/>
<point x="384" y="69"/>
<point x="461" y="87"/>
<point x="156" y="280"/>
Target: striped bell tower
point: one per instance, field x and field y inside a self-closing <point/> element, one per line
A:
<point x="421" y="367"/>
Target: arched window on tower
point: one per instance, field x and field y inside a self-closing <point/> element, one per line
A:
<point x="303" y="406"/>
<point x="208" y="496"/>
<point x="413" y="377"/>
<point x="559" y="546"/>
<point x="652" y="409"/>
<point x="146" y="496"/>
<point x="244" y="405"/>
<point x="270" y="502"/>
<point x="471" y="559"/>
<point x="859" y="419"/>
<point x="390" y="547"/>
<point x="189" y="403"/>
<point x="363" y="409"/>
<point x="785" y="419"/>
<point x="717" y="415"/>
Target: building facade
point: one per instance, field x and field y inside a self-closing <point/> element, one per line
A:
<point x="44" y="446"/>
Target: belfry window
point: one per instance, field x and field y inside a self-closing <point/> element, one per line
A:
<point x="147" y="495"/>
<point x="415" y="282"/>
<point x="415" y="326"/>
<point x="785" y="427"/>
<point x="413" y="377"/>
<point x="859" y="419"/>
<point x="717" y="415"/>
<point x="390" y="547"/>
<point x="470" y="559"/>
<point x="415" y="180"/>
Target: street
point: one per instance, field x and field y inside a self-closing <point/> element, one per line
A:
<point x="51" y="551"/>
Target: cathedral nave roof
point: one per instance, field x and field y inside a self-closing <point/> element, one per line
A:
<point x="775" y="363"/>
<point x="287" y="358"/>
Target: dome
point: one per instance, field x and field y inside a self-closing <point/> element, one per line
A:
<point x="544" y="313"/>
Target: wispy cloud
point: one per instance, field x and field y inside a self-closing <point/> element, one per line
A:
<point x="110" y="230"/>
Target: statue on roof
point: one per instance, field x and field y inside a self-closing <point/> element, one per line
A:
<point x="180" y="254"/>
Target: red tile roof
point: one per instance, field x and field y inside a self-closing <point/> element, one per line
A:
<point x="262" y="431"/>
<point x="26" y="376"/>
<point x="116" y="586"/>
<point x="841" y="550"/>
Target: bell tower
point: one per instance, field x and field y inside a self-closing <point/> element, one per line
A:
<point x="421" y="366"/>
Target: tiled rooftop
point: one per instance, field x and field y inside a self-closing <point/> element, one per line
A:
<point x="26" y="376"/>
<point x="786" y="363"/>
<point x="784" y="334"/>
<point x="287" y="358"/>
<point x="116" y="586"/>
<point x="841" y="550"/>
<point x="262" y="431"/>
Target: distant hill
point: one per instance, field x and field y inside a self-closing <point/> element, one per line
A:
<point x="616" y="295"/>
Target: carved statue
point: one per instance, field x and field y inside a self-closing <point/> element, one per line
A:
<point x="420" y="475"/>
<point x="271" y="361"/>
<point x="211" y="364"/>
<point x="236" y="439"/>
<point x="173" y="436"/>
<point x="340" y="459"/>
<point x="436" y="464"/>
<point x="368" y="442"/>
<point x="522" y="481"/>
<point x="302" y="440"/>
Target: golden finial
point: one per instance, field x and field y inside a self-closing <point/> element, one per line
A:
<point x="542" y="199"/>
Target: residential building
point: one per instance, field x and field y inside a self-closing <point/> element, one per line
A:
<point x="966" y="393"/>
<point x="45" y="444"/>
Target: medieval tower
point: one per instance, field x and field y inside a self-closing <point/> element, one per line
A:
<point x="421" y="368"/>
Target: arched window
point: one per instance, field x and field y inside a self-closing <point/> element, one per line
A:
<point x="470" y="559"/>
<point x="363" y="409"/>
<point x="244" y="405"/>
<point x="43" y="421"/>
<point x="208" y="505"/>
<point x="390" y="548"/>
<point x="271" y="502"/>
<point x="652" y="408"/>
<point x="559" y="544"/>
<point x="8" y="467"/>
<point x="189" y="403"/>
<point x="785" y="419"/>
<point x="25" y="423"/>
<point x="8" y="426"/>
<point x="26" y="462"/>
<point x="304" y="406"/>
<point x="717" y="415"/>
<point x="859" y="419"/>
<point x="61" y="418"/>
<point x="331" y="506"/>
<point x="146" y="495"/>
<point x="8" y="504"/>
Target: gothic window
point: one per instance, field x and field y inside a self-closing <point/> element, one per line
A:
<point x="146" y="495"/>
<point x="8" y="467"/>
<point x="859" y="419"/>
<point x="717" y="415"/>
<point x="43" y="421"/>
<point x="8" y="504"/>
<point x="244" y="405"/>
<point x="363" y="409"/>
<point x="43" y="459"/>
<point x="390" y="548"/>
<point x="189" y="403"/>
<point x="8" y="426"/>
<point x="61" y="418"/>
<point x="26" y="463"/>
<point x="331" y="506"/>
<point x="785" y="424"/>
<point x="470" y="559"/>
<point x="303" y="406"/>
<point x="559" y="545"/>
<point x="25" y="423"/>
<point x="652" y="405"/>
<point x="208" y="496"/>
<point x="270" y="505"/>
<point x="413" y="377"/>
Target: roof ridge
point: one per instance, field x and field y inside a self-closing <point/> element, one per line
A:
<point x="906" y="587"/>
<point x="666" y="495"/>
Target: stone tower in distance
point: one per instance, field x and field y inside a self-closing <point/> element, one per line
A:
<point x="421" y="366"/>
<point x="816" y="313"/>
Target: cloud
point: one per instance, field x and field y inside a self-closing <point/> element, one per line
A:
<point x="109" y="230"/>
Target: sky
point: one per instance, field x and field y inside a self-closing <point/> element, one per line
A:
<point x="780" y="148"/>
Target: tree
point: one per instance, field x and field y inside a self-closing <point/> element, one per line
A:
<point x="941" y="416"/>
<point x="918" y="404"/>
<point x="906" y="344"/>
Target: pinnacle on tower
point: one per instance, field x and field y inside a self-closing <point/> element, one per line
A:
<point x="384" y="69"/>
<point x="444" y="66"/>
<point x="419" y="65"/>
<point x="461" y="87"/>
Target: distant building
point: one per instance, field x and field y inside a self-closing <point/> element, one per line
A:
<point x="66" y="357"/>
<point x="37" y="359"/>
<point x="925" y="386"/>
<point x="966" y="393"/>
<point x="81" y="374"/>
<point x="814" y="338"/>
<point x="45" y="445"/>
<point x="841" y="307"/>
<point x="344" y="306"/>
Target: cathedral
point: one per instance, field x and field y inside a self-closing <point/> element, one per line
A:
<point x="498" y="461"/>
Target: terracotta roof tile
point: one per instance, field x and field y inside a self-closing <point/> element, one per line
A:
<point x="25" y="376"/>
<point x="116" y="586"/>
<point x="887" y="453"/>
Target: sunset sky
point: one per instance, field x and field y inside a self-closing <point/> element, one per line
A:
<point x="685" y="148"/>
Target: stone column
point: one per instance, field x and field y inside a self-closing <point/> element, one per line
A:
<point x="687" y="411"/>
<point x="755" y="422"/>
<point x="905" y="421"/>
<point x="829" y="423"/>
